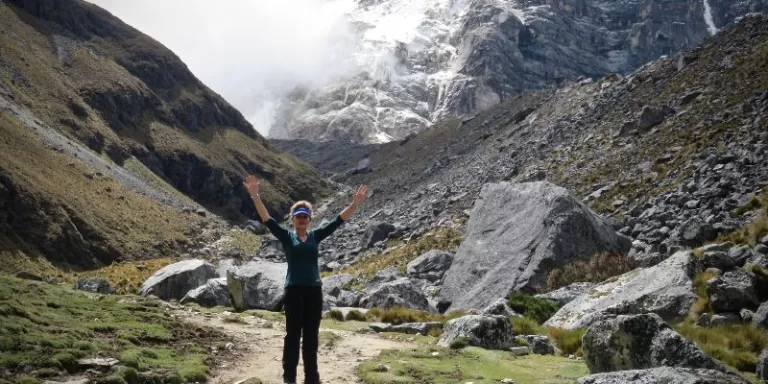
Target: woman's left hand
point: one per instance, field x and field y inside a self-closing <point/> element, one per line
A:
<point x="360" y="195"/>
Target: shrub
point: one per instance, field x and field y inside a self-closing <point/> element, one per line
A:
<point x="355" y="315"/>
<point x="598" y="269"/>
<point x="568" y="341"/>
<point x="524" y="326"/>
<point x="336" y="315"/>
<point x="702" y="303"/>
<point x="459" y="343"/>
<point x="399" y="315"/>
<point x="533" y="307"/>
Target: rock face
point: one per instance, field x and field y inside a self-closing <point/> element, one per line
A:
<point x="517" y="233"/>
<point x="732" y="291"/>
<point x="760" y="318"/>
<point x="499" y="308"/>
<point x="762" y="366"/>
<point x="376" y="232"/>
<point x="333" y="284"/>
<point x="257" y="285"/>
<point x="641" y="342"/>
<point x="489" y="332"/>
<point x="175" y="280"/>
<point x="457" y="60"/>
<point x="398" y="293"/>
<point x="666" y="375"/>
<point x="665" y="289"/>
<point x="430" y="266"/>
<point x="539" y="344"/>
<point x="567" y="294"/>
<point x="213" y="293"/>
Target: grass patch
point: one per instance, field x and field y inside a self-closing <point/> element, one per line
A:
<point x="701" y="305"/>
<point x="443" y="238"/>
<point x="336" y="314"/>
<point x="737" y="345"/>
<point x="354" y="315"/>
<point x="399" y="315"/>
<point x="245" y="240"/>
<point x="753" y="204"/>
<point x="328" y="339"/>
<point x="233" y="318"/>
<point x="532" y="307"/>
<point x="460" y="342"/>
<point x="525" y="326"/>
<point x="468" y="364"/>
<point x="568" y="341"/>
<point x="48" y="328"/>
<point x="600" y="267"/>
<point x="755" y="230"/>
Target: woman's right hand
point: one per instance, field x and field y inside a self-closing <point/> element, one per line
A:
<point x="252" y="185"/>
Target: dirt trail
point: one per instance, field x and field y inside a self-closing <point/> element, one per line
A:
<point x="259" y="346"/>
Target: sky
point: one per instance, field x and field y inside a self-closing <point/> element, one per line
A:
<point x="249" y="51"/>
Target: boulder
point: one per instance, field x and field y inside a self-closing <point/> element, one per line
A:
<point x="762" y="366"/>
<point x="665" y="289"/>
<point x="376" y="231"/>
<point x="732" y="291"/>
<point x="663" y="375"/>
<point x="500" y="308"/>
<point x="760" y="318"/>
<point x="517" y="233"/>
<point x="489" y="332"/>
<point x="430" y="266"/>
<point x="641" y="342"/>
<point x="175" y="280"/>
<point x="652" y="116"/>
<point x="417" y="328"/>
<point x="257" y="285"/>
<point x="95" y="285"/>
<point x="567" y="294"/>
<point x="385" y="275"/>
<point x="213" y="293"/>
<point x="538" y="344"/>
<point x="333" y="284"/>
<point x="398" y="293"/>
<point x="349" y="298"/>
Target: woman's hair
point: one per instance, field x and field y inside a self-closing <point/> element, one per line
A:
<point x="302" y="203"/>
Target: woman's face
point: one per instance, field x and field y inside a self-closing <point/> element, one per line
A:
<point x="301" y="221"/>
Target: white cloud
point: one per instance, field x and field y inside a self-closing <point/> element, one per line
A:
<point x="249" y="51"/>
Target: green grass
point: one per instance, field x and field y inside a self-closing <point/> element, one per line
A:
<point x="245" y="240"/>
<point x="468" y="364"/>
<point x="45" y="329"/>
<point x="525" y="326"/>
<point x="336" y="314"/>
<point x="533" y="307"/>
<point x="354" y="315"/>
<point x="568" y="341"/>
<point x="738" y="345"/>
<point x="701" y="305"/>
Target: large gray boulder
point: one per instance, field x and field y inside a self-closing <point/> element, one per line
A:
<point x="517" y="233"/>
<point x="760" y="318"/>
<point x="175" y="280"/>
<point x="664" y="375"/>
<point x="398" y="293"/>
<point x="732" y="291"/>
<point x="489" y="332"/>
<point x="257" y="285"/>
<point x="213" y="293"/>
<point x="333" y="284"/>
<point x="375" y="232"/>
<point x="568" y="293"/>
<point x="95" y="285"/>
<point x="641" y="342"/>
<point x="500" y="308"/>
<point x="430" y="266"/>
<point x="762" y="366"/>
<point x="665" y="289"/>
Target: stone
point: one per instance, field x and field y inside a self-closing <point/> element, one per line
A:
<point x="376" y="231"/>
<point x="212" y="293"/>
<point x="568" y="293"/>
<point x="663" y="375"/>
<point x="520" y="351"/>
<point x="665" y="289"/>
<point x="381" y="327"/>
<point x="652" y="116"/>
<point x="538" y="344"/>
<point x="430" y="266"/>
<point x="740" y="254"/>
<point x="257" y="285"/>
<point x="417" y="328"/>
<point x="695" y="232"/>
<point x="500" y="308"/>
<point x="516" y="234"/>
<point x="95" y="285"/>
<point x="398" y="293"/>
<point x="334" y="284"/>
<point x="762" y="366"/>
<point x="349" y="298"/>
<point x="175" y="280"/>
<point x="643" y="341"/>
<point x="732" y="291"/>
<point x="715" y="259"/>
<point x="489" y="332"/>
<point x="760" y="319"/>
<point x="256" y="227"/>
<point x="746" y="315"/>
<point x="98" y="362"/>
<point x="724" y="319"/>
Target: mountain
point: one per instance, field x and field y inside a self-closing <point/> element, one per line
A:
<point x="675" y="154"/>
<point x="420" y="62"/>
<point x="109" y="142"/>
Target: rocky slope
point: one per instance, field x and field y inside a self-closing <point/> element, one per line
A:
<point x="103" y="127"/>
<point x="673" y="154"/>
<point x="418" y="62"/>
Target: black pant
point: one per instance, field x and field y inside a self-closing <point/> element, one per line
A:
<point x="303" y="309"/>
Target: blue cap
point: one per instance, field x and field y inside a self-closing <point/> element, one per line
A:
<point x="301" y="210"/>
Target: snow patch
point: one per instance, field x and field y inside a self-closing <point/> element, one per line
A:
<point x="709" y="19"/>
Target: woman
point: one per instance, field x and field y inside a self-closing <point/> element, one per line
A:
<point x="303" y="300"/>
